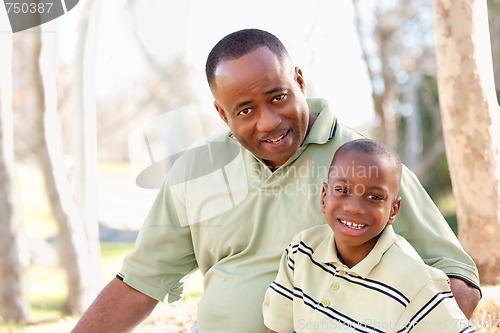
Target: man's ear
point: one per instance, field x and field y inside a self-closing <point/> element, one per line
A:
<point x="220" y="110"/>
<point x="300" y="79"/>
<point x="396" y="205"/>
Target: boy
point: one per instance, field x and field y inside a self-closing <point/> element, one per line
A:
<point x="356" y="274"/>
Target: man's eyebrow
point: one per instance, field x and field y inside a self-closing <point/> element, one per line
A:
<point x="242" y="104"/>
<point x="275" y="90"/>
<point x="239" y="105"/>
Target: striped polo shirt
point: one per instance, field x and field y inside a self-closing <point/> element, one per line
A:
<point x="391" y="290"/>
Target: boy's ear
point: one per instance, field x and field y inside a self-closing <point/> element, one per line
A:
<point x="396" y="205"/>
<point x="324" y="190"/>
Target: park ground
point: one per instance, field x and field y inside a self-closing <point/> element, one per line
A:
<point x="180" y="319"/>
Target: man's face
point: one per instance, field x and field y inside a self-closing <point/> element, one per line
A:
<point x="262" y="101"/>
<point x="361" y="198"/>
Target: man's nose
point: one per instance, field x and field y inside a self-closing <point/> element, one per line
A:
<point x="269" y="120"/>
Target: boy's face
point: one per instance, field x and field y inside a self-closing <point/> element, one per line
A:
<point x="360" y="199"/>
<point x="261" y="98"/>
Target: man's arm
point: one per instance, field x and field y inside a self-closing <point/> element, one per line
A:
<point x="423" y="225"/>
<point x="467" y="296"/>
<point x="118" y="308"/>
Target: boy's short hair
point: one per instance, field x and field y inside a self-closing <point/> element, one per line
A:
<point x="374" y="148"/>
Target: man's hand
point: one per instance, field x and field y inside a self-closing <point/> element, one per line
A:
<point x="467" y="296"/>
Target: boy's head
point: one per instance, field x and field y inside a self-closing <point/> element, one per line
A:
<point x="361" y="196"/>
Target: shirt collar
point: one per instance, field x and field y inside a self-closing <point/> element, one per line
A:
<point x="323" y="128"/>
<point x="327" y="252"/>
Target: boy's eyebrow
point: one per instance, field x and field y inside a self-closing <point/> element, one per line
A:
<point x="373" y="187"/>
<point x="342" y="180"/>
<point x="379" y="188"/>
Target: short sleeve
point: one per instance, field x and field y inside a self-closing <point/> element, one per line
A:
<point x="163" y="255"/>
<point x="278" y="300"/>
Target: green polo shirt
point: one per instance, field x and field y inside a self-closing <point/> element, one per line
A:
<point x="221" y="210"/>
<point x="389" y="290"/>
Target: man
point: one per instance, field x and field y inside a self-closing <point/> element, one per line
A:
<point x="229" y="207"/>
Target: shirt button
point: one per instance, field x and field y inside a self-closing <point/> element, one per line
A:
<point x="342" y="272"/>
<point x="325" y="303"/>
<point x="335" y="286"/>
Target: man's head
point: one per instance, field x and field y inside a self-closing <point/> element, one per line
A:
<point x="361" y="196"/>
<point x="259" y="94"/>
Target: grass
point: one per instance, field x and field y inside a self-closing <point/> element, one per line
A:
<point x="46" y="292"/>
<point x="46" y="284"/>
<point x="45" y="288"/>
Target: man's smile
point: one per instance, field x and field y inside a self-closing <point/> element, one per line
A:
<point x="277" y="139"/>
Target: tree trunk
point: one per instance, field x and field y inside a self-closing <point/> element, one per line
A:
<point x="387" y="130"/>
<point x="471" y="123"/>
<point x="75" y="252"/>
<point x="85" y="137"/>
<point x="413" y="134"/>
<point x="13" y="305"/>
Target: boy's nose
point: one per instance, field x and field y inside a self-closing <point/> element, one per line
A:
<point x="354" y="205"/>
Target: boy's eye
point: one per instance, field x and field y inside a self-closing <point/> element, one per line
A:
<point x="341" y="190"/>
<point x="374" y="197"/>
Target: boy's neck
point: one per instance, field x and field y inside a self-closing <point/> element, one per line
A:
<point x="351" y="260"/>
<point x="352" y="255"/>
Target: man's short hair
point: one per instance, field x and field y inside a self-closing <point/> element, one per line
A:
<point x="239" y="43"/>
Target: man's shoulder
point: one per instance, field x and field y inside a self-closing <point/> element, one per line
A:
<point x="345" y="133"/>
<point x="312" y="236"/>
<point x="203" y="157"/>
<point x="223" y="136"/>
<point x="408" y="262"/>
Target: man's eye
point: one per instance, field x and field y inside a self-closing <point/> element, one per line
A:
<point x="280" y="97"/>
<point x="244" y="112"/>
<point x="374" y="197"/>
